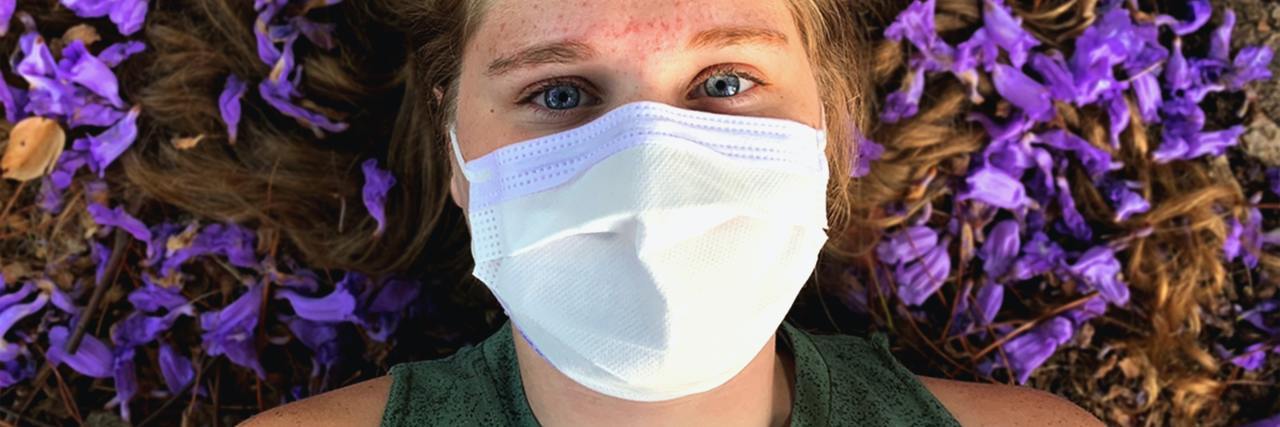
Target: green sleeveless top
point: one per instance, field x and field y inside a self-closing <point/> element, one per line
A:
<point x="840" y="380"/>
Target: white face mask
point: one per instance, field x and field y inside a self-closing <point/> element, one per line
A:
<point x="651" y="253"/>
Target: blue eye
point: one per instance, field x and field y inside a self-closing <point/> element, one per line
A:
<point x="561" y="97"/>
<point x="721" y="86"/>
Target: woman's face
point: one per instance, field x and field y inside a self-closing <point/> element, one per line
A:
<point x="534" y="68"/>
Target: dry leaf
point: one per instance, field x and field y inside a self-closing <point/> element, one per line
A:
<point x="34" y="147"/>
<point x="83" y="32"/>
<point x="186" y="143"/>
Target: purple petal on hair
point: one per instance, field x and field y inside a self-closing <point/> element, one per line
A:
<point x="1053" y="68"/>
<point x="1023" y="92"/>
<point x="117" y="217"/>
<point x="229" y="104"/>
<point x="93" y="358"/>
<point x="63" y="301"/>
<point x="1200" y="11"/>
<point x="990" y="298"/>
<point x="919" y="279"/>
<point x="376" y="183"/>
<point x="1015" y="128"/>
<point x="1006" y="30"/>
<point x="104" y="148"/>
<point x="175" y="368"/>
<point x="1040" y="255"/>
<point x="152" y="297"/>
<point x="1092" y="308"/>
<point x="1028" y="351"/>
<point x="995" y="188"/>
<point x="1095" y="160"/>
<point x="267" y="50"/>
<point x="904" y="102"/>
<point x="1253" y="357"/>
<point x="1099" y="269"/>
<point x="1001" y="248"/>
<point x="915" y="23"/>
<point x="1118" y="114"/>
<point x="92" y="114"/>
<point x="868" y="151"/>
<point x="1177" y="72"/>
<point x="231" y="240"/>
<point x="128" y="15"/>
<point x="1183" y="120"/>
<point x="1250" y="64"/>
<point x="1010" y="156"/>
<point x="1255" y="316"/>
<point x="338" y="306"/>
<point x="81" y="67"/>
<point x="6" y="15"/>
<point x="101" y="254"/>
<point x="65" y="169"/>
<point x="1146" y="89"/>
<point x="230" y="331"/>
<point x="321" y="338"/>
<point x="1244" y="239"/>
<point x="48" y="95"/>
<point x="1106" y="43"/>
<point x="1215" y="143"/>
<point x="1125" y="200"/>
<point x="320" y="34"/>
<point x="118" y="52"/>
<point x="906" y="245"/>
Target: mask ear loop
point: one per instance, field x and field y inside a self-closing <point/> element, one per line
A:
<point x="471" y="174"/>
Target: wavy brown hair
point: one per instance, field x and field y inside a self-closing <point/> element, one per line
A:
<point x="303" y="193"/>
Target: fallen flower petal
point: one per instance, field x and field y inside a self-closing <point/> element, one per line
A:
<point x="377" y="182"/>
<point x="93" y="358"/>
<point x="229" y="104"/>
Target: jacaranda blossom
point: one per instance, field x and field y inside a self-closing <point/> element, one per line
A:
<point x="230" y="331"/>
<point x="995" y="188"/>
<point x="105" y="147"/>
<point x="93" y="358"/>
<point x="229" y="104"/>
<point x="377" y="182"/>
<point x="919" y="279"/>
<point x="1099" y="269"/>
<point x="1001" y="248"/>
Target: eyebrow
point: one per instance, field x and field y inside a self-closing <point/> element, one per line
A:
<point x="569" y="51"/>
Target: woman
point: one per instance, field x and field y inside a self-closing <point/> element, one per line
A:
<point x="652" y="109"/>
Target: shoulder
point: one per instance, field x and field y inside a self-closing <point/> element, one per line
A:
<point x="997" y="405"/>
<point x="359" y="404"/>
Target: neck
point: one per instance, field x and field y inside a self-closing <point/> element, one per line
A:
<point x="760" y="395"/>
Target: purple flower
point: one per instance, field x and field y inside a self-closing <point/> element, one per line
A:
<point x="118" y="52"/>
<point x="1023" y="92"/>
<point x="6" y="15"/>
<point x="152" y="297"/>
<point x="1040" y="255"/>
<point x="229" y="104"/>
<point x="335" y="307"/>
<point x="1095" y="160"/>
<point x="1220" y="41"/>
<point x="321" y="338"/>
<point x="13" y="100"/>
<point x="117" y="217"/>
<point x="1200" y="11"/>
<point x="1273" y="175"/>
<point x="904" y="102"/>
<point x="868" y="151"/>
<point x="915" y="24"/>
<point x="88" y="71"/>
<point x="376" y="183"/>
<point x="1006" y="30"/>
<point x="320" y="34"/>
<point x="279" y="89"/>
<point x="1271" y="421"/>
<point x="1099" y="269"/>
<point x="990" y="298"/>
<point x="138" y="329"/>
<point x="1253" y="357"/>
<point x="1244" y="239"/>
<point x="1001" y="248"/>
<point x="104" y="148"/>
<point x="1146" y="89"/>
<point x="1126" y="201"/>
<point x="1072" y="220"/>
<point x="15" y="312"/>
<point x="230" y="240"/>
<point x="995" y="188"/>
<point x="1251" y="63"/>
<point x="230" y="331"/>
<point x="1028" y="351"/>
<point x="101" y="254"/>
<point x="128" y="15"/>
<point x="381" y="316"/>
<point x="93" y="358"/>
<point x="175" y="368"/>
<point x="907" y="245"/>
<point x="126" y="379"/>
<point x="919" y="279"/>
<point x="1053" y="67"/>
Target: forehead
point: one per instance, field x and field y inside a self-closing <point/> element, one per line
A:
<point x="620" y="26"/>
